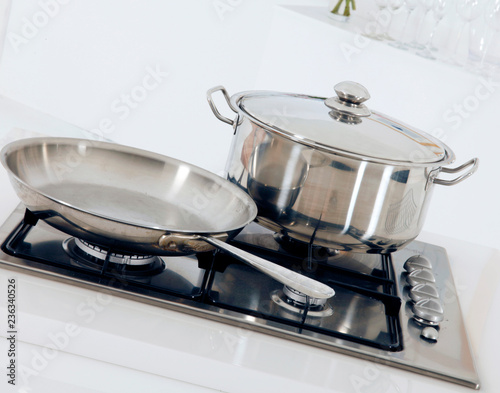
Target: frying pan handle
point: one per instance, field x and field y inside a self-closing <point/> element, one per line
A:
<point x="288" y="277"/>
<point x="214" y="108"/>
<point x="179" y="243"/>
<point x="473" y="164"/>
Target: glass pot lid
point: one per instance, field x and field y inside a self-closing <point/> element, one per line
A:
<point x="343" y="125"/>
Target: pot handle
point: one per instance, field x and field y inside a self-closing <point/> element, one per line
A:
<point x="473" y="164"/>
<point x="214" y="108"/>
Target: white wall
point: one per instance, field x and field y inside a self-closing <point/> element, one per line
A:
<point x="88" y="55"/>
<point x="88" y="61"/>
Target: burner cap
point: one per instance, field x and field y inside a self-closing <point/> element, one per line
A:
<point x="295" y="302"/>
<point x="93" y="256"/>
<point x="114" y="257"/>
<point x="301" y="299"/>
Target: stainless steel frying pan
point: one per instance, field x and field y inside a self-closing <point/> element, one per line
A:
<point x="138" y="201"/>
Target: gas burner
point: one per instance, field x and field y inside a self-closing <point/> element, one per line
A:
<point x="297" y="302"/>
<point x="299" y="248"/>
<point x="91" y="255"/>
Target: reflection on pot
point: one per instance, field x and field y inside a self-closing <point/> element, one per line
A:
<point x="276" y="175"/>
<point x="400" y="215"/>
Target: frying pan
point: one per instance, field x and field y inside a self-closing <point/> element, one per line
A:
<point x="134" y="200"/>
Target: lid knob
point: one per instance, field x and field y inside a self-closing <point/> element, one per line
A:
<point x="349" y="101"/>
<point x="352" y="92"/>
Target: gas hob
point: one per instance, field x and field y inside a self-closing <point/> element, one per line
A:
<point x="399" y="309"/>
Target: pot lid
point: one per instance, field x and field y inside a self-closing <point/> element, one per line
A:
<point x="343" y="125"/>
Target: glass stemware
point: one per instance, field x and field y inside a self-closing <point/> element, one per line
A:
<point x="377" y="35"/>
<point x="468" y="10"/>
<point x="438" y="10"/>
<point x="426" y="6"/>
<point x="394" y="7"/>
<point x="492" y="19"/>
<point x="410" y="5"/>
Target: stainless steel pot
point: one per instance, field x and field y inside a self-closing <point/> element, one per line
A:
<point x="331" y="171"/>
<point x="133" y="200"/>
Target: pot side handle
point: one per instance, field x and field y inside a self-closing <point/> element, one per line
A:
<point x="473" y="164"/>
<point x="214" y="108"/>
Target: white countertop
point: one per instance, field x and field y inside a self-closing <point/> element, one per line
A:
<point x="119" y="345"/>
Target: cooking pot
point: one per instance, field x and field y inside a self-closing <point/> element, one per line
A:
<point x="332" y="172"/>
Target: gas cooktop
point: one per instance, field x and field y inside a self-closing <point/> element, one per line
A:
<point x="400" y="309"/>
